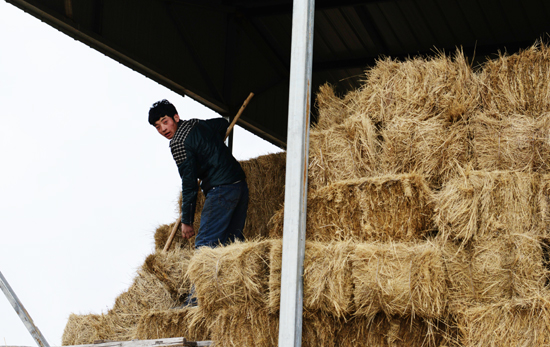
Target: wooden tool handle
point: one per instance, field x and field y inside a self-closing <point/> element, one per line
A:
<point x="178" y="222"/>
<point x="245" y="103"/>
<point x="172" y="234"/>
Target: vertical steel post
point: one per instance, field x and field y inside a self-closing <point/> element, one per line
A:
<point x="294" y="230"/>
<point x="18" y="307"/>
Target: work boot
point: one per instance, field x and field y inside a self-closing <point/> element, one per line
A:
<point x="191" y="300"/>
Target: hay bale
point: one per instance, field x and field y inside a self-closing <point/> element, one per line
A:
<point x="318" y="330"/>
<point x="523" y="322"/>
<point x="189" y="322"/>
<point x="334" y="110"/>
<point x="439" y="87"/>
<point x="494" y="269"/>
<point x="543" y="203"/>
<point x="511" y="142"/>
<point x="384" y="331"/>
<point x="170" y="268"/>
<point x="401" y="279"/>
<point x="328" y="286"/>
<point x="244" y="326"/>
<point x="85" y="329"/>
<point x="385" y="208"/>
<point x="146" y="293"/>
<point x="233" y="275"/>
<point x="345" y="151"/>
<point x="265" y="176"/>
<point x="518" y="83"/>
<point x="432" y="147"/>
<point x="247" y="326"/>
<point x="331" y="109"/>
<point x="480" y="203"/>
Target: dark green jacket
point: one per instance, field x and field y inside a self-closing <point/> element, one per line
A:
<point x="200" y="153"/>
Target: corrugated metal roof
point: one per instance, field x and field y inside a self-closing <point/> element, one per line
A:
<point x="218" y="51"/>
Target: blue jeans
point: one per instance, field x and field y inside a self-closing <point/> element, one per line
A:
<point x="223" y="215"/>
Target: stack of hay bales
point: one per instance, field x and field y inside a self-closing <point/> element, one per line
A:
<point x="425" y="207"/>
<point x="428" y="219"/>
<point x="373" y="294"/>
<point x="145" y="311"/>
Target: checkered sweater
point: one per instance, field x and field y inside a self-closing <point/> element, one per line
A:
<point x="177" y="143"/>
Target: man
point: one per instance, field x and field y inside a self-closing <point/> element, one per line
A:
<point x="200" y="153"/>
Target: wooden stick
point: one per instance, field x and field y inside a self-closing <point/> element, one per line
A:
<point x="172" y="234"/>
<point x="245" y="103"/>
<point x="178" y="222"/>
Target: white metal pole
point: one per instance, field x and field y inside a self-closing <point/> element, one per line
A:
<point x="294" y="230"/>
<point x="18" y="307"/>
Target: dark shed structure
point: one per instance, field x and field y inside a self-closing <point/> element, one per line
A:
<point x="218" y="51"/>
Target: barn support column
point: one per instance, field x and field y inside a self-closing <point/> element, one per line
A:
<point x="294" y="230"/>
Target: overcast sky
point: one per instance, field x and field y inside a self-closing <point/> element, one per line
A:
<point x="84" y="179"/>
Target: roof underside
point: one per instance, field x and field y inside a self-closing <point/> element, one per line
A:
<point x="218" y="51"/>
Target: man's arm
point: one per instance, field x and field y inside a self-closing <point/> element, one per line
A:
<point x="189" y="189"/>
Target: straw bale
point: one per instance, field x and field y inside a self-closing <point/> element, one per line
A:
<point x="524" y="322"/>
<point x="432" y="147"/>
<point x="333" y="110"/>
<point x="318" y="330"/>
<point x="244" y="326"/>
<point x="346" y="151"/>
<point x="518" y="83"/>
<point x="170" y="268"/>
<point x="265" y="176"/>
<point x="384" y="331"/>
<point x="402" y="279"/>
<point x="85" y="329"/>
<point x="255" y="327"/>
<point x="543" y="203"/>
<point x="494" y="269"/>
<point x="385" y="208"/>
<point x="511" y="142"/>
<point x="233" y="275"/>
<point x="188" y="322"/>
<point x="441" y="87"/>
<point x="146" y="293"/>
<point x="327" y="278"/>
<point x="481" y="203"/>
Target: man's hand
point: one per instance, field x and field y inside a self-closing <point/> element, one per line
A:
<point x="187" y="231"/>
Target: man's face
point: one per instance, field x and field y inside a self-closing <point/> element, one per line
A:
<point x="166" y="126"/>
